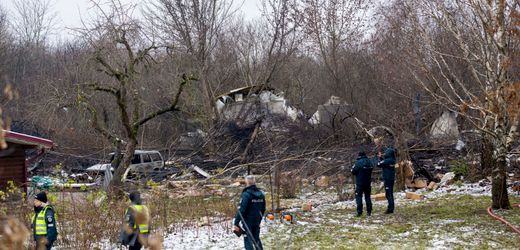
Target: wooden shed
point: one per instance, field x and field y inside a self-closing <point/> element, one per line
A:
<point x="14" y="159"/>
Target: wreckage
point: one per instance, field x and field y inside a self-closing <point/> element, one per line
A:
<point x="252" y="103"/>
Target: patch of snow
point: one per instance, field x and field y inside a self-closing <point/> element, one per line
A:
<point x="216" y="236"/>
<point x="444" y="222"/>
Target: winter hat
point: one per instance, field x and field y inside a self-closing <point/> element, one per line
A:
<point x="135" y="197"/>
<point x="362" y="153"/>
<point x="41" y="197"/>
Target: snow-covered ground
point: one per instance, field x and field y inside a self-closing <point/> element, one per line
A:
<point x="219" y="236"/>
<point x="216" y="236"/>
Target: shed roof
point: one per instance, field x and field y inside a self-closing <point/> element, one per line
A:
<point x="29" y="140"/>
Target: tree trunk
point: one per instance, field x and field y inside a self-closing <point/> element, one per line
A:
<point x="499" y="185"/>
<point x="402" y="155"/>
<point x="486" y="155"/>
<point x="116" y="184"/>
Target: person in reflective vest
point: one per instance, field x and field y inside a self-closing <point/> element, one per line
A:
<point x="43" y="223"/>
<point x="136" y="223"/>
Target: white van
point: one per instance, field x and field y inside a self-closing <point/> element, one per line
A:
<point x="144" y="161"/>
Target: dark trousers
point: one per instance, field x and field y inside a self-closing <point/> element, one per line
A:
<point x="252" y="239"/>
<point x="360" y="191"/>
<point x="40" y="241"/>
<point x="136" y="246"/>
<point x="389" y="194"/>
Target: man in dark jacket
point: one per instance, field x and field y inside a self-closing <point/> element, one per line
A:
<point x="136" y="225"/>
<point x="363" y="172"/>
<point x="387" y="163"/>
<point x="250" y="214"/>
<point x="43" y="222"/>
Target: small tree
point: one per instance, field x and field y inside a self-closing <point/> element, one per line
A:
<point x="121" y="55"/>
<point x="460" y="52"/>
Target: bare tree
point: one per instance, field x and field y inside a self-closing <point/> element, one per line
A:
<point x="264" y="47"/>
<point x="122" y="54"/>
<point x="193" y="28"/>
<point x="332" y="26"/>
<point x="7" y="94"/>
<point x="480" y="36"/>
<point x="34" y="20"/>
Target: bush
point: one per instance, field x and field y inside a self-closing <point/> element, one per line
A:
<point x="459" y="167"/>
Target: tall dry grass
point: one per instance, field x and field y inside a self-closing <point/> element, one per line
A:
<point x="92" y="220"/>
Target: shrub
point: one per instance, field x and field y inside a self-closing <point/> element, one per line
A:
<point x="459" y="167"/>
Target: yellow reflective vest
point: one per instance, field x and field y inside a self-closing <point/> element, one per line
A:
<point x="143" y="228"/>
<point x="40" y="226"/>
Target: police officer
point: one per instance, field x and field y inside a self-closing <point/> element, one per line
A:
<point x="43" y="222"/>
<point x="135" y="229"/>
<point x="250" y="214"/>
<point x="387" y="163"/>
<point x="363" y="172"/>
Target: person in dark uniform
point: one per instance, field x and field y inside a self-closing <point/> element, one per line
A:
<point x="43" y="222"/>
<point x="363" y="172"/>
<point x="250" y="214"/>
<point x="136" y="229"/>
<point x="387" y="163"/>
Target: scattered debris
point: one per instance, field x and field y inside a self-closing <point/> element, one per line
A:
<point x="200" y="171"/>
<point x="447" y="179"/>
<point x="414" y="196"/>
<point x="445" y="127"/>
<point x="333" y="109"/>
<point x="432" y="186"/>
<point x="307" y="206"/>
<point x="249" y="103"/>
<point x="420" y="183"/>
<point x="323" y="181"/>
<point x="235" y="184"/>
<point x="378" y="197"/>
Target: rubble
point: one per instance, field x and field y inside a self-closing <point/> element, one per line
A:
<point x="447" y="179"/>
<point x="307" y="206"/>
<point x="378" y="197"/>
<point x="414" y="196"/>
<point x="323" y="181"/>
<point x="445" y="127"/>
<point x="420" y="183"/>
<point x="251" y="102"/>
<point x="333" y="108"/>
<point x="432" y="186"/>
<point x="235" y="184"/>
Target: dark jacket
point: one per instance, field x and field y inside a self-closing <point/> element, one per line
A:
<point x="363" y="171"/>
<point x="252" y="207"/>
<point x="130" y="237"/>
<point x="50" y="220"/>
<point x="387" y="163"/>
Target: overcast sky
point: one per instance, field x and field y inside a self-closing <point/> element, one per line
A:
<point x="70" y="12"/>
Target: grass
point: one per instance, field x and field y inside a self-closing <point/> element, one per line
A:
<point x="451" y="221"/>
<point x="448" y="221"/>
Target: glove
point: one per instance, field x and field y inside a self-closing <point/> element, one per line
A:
<point x="237" y="231"/>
